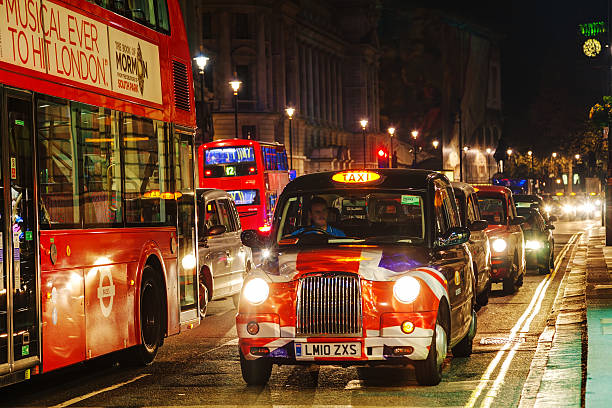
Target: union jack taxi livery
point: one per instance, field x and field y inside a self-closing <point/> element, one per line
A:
<point x="361" y="267"/>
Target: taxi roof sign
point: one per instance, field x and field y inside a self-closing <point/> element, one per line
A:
<point x="355" y="176"/>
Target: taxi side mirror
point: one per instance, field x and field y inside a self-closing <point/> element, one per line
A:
<point x="517" y="220"/>
<point x="251" y="239"/>
<point x="454" y="236"/>
<point x="479" y="225"/>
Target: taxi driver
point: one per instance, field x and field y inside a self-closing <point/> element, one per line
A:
<point x="318" y="213"/>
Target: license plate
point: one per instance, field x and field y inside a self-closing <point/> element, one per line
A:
<point x="308" y="350"/>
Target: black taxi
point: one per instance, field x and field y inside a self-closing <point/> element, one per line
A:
<point x="362" y="267"/>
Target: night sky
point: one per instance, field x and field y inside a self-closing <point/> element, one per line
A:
<point x="545" y="78"/>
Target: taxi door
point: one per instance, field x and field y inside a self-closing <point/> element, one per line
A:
<point x="19" y="277"/>
<point x="453" y="261"/>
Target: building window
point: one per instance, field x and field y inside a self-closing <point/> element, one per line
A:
<point x="241" y="26"/>
<point x="244" y="75"/>
<point x="206" y="26"/>
<point x="249" y="132"/>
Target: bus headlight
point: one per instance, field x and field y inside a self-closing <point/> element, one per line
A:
<point x="533" y="244"/>
<point x="256" y="291"/>
<point x="189" y="261"/>
<point x="499" y="245"/>
<point x="406" y="289"/>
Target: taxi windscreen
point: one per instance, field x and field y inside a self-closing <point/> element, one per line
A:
<point x="354" y="216"/>
<point x="493" y="210"/>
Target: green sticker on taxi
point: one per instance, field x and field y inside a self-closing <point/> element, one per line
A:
<point x="411" y="200"/>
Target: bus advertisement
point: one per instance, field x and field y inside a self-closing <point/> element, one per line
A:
<point x="253" y="173"/>
<point x="97" y="209"/>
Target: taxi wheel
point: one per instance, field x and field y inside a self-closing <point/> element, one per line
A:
<point x="429" y="371"/>
<point x="464" y="347"/>
<point x="483" y="298"/>
<point x="255" y="372"/>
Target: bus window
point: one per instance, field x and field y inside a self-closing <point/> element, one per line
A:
<point x="245" y="197"/>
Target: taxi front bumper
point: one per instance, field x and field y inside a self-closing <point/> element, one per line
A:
<point x="501" y="268"/>
<point x="386" y="345"/>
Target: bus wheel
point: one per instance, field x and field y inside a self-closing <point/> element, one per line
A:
<point x="151" y="317"/>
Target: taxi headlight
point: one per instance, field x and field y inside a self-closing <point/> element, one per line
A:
<point x="256" y="291"/>
<point x="406" y="289"/>
<point x="589" y="207"/>
<point x="568" y="208"/>
<point x="499" y="245"/>
<point x="547" y="208"/>
<point x="533" y="244"/>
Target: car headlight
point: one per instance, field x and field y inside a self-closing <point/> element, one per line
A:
<point x="499" y="245"/>
<point x="568" y="208"/>
<point x="256" y="291"/>
<point x="598" y="202"/>
<point x="406" y="289"/>
<point x="589" y="207"/>
<point x="533" y="244"/>
<point x="547" y="208"/>
<point x="188" y="262"/>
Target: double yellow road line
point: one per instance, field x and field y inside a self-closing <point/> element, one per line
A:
<point x="520" y="329"/>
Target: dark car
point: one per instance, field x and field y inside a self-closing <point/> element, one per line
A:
<point x="505" y="236"/>
<point x="539" y="240"/>
<point x="365" y="267"/>
<point x="529" y="201"/>
<point x="469" y="211"/>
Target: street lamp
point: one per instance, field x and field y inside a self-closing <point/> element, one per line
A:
<point x="415" y="134"/>
<point x="435" y="144"/>
<point x="290" y="111"/>
<point x="201" y="61"/>
<point x="554" y="155"/>
<point x="235" y="84"/>
<point x="577" y="156"/>
<point x="364" y="125"/>
<point x="530" y="154"/>
<point x="391" y="131"/>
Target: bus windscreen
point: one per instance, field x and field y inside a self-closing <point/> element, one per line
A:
<point x="245" y="197"/>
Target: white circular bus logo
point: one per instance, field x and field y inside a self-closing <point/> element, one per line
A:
<point x="106" y="292"/>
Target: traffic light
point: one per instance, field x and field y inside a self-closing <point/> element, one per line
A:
<point x="383" y="158"/>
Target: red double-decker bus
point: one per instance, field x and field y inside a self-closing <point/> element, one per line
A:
<point x="97" y="207"/>
<point x="253" y="173"/>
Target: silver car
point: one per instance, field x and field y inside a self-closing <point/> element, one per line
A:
<point x="224" y="260"/>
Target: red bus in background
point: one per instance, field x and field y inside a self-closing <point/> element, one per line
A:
<point x="97" y="210"/>
<point x="253" y="173"/>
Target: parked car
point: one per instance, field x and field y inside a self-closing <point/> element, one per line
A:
<point x="224" y="260"/>
<point x="539" y="240"/>
<point x="469" y="211"/>
<point x="365" y="267"/>
<point x="505" y="236"/>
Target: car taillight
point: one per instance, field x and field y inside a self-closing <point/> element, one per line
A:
<point x="265" y="229"/>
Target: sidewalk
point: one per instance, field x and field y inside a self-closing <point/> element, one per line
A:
<point x="572" y="364"/>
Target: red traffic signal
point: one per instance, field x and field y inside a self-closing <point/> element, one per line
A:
<point x="383" y="158"/>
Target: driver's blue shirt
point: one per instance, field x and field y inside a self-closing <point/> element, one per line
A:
<point x="330" y="230"/>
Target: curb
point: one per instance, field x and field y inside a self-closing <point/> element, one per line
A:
<point x="555" y="374"/>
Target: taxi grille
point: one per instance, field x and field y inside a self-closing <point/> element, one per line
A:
<point x="329" y="305"/>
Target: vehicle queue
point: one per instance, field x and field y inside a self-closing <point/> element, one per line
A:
<point x="380" y="266"/>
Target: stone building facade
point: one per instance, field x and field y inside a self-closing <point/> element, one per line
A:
<point x="318" y="56"/>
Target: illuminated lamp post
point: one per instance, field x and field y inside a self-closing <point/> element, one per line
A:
<point x="364" y="125"/>
<point x="415" y="134"/>
<point x="489" y="151"/>
<point x="290" y="111"/>
<point x="465" y="150"/>
<point x="530" y="154"/>
<point x="391" y="131"/>
<point x="235" y="84"/>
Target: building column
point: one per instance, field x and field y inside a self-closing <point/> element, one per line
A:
<point x="316" y="84"/>
<point x="328" y="91"/>
<point x="262" y="83"/>
<point x="293" y="74"/>
<point x="333" y="90"/>
<point x="310" y="72"/>
<point x="303" y="82"/>
<point x="225" y="62"/>
<point x="340" y="92"/>
<point x="278" y="60"/>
